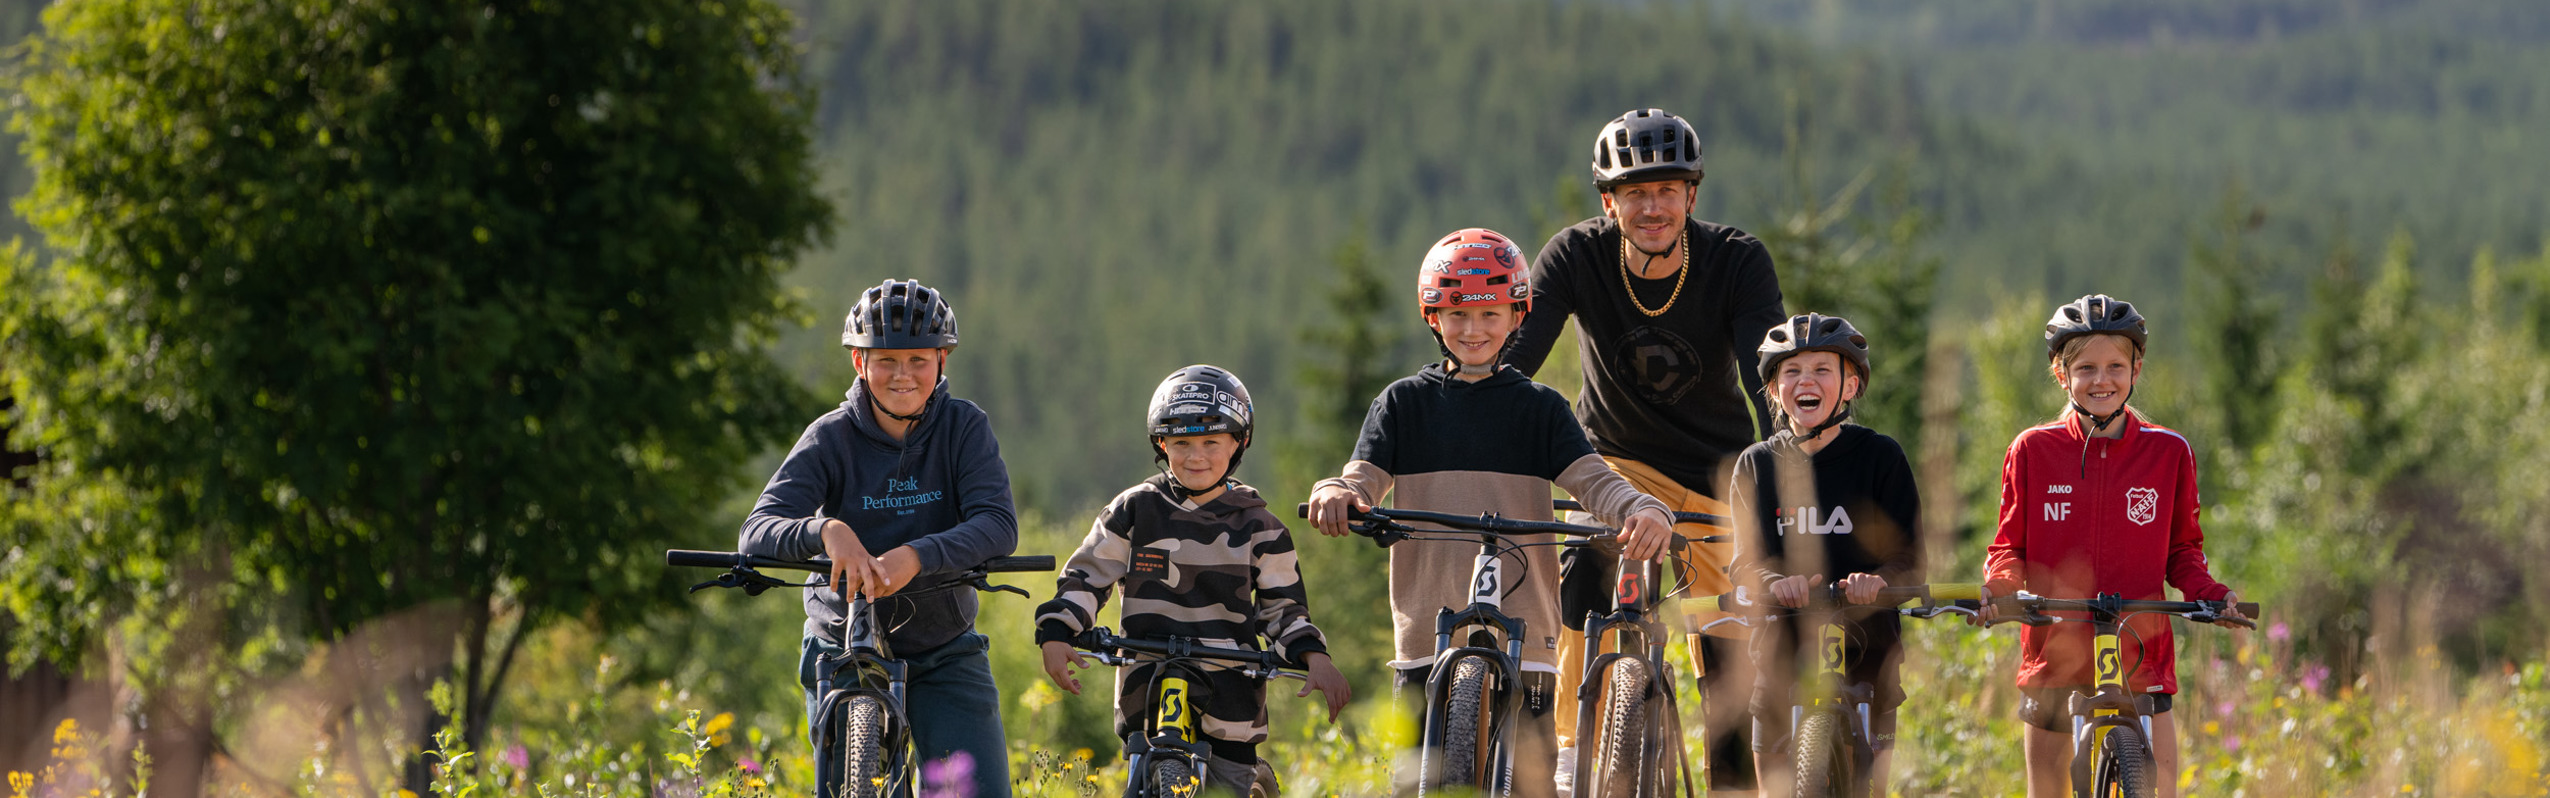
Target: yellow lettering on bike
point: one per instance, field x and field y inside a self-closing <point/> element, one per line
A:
<point x="1177" y="714"/>
<point x="2110" y="671"/>
<point x="1833" y="637"/>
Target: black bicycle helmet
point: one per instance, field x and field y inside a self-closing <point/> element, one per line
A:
<point x="1814" y="332"/>
<point x="2094" y="314"/>
<point x="1646" y="144"/>
<point x="1199" y="400"/>
<point x="900" y="314"/>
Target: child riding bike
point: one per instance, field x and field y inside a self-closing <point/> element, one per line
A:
<point x="1199" y="558"/>
<point x="2099" y="501"/>
<point x="901" y="487"/>
<point x="1822" y="502"/>
<point x="1469" y="434"/>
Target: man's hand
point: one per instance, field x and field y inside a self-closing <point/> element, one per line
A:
<point x="1057" y="654"/>
<point x="1985" y="616"/>
<point x="1790" y="591"/>
<point x="1646" y="533"/>
<point x="1861" y="588"/>
<point x="1323" y="678"/>
<point x="853" y="571"/>
<point x="1328" y="506"/>
<point x="896" y="569"/>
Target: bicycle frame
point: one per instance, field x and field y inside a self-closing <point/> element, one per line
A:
<point x="1636" y="633"/>
<point x="1174" y="728"/>
<point x="2109" y="705"/>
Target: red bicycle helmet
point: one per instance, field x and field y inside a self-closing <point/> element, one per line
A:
<point x="1475" y="266"/>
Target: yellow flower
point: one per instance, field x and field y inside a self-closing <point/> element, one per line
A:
<point x="716" y="728"/>
<point x="65" y="733"/>
<point x="20" y="782"/>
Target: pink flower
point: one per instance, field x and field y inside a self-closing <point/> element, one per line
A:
<point x="2231" y="744"/>
<point x="2279" y="632"/>
<point x="748" y="766"/>
<point x="2314" y="676"/>
<point x="952" y="777"/>
<point x="516" y="756"/>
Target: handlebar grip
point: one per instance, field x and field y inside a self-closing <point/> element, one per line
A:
<point x="1352" y="514"/>
<point x="686" y="558"/>
<point x="1302" y="509"/>
<point x="997" y="565"/>
<point x="2249" y="608"/>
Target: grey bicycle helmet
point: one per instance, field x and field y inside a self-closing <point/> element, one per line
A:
<point x="1814" y="332"/>
<point x="1646" y="144"/>
<point x="900" y="314"/>
<point x="2094" y="314"/>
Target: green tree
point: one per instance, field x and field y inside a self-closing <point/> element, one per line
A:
<point x="354" y="308"/>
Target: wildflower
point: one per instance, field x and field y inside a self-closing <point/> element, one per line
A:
<point x="748" y="765"/>
<point x="516" y="756"/>
<point x="2231" y="744"/>
<point x="2279" y="632"/>
<point x="952" y="777"/>
<point x="2313" y="676"/>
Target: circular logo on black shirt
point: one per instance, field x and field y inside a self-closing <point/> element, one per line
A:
<point x="1659" y="365"/>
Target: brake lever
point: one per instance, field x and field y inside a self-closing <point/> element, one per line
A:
<point x="984" y="583"/>
<point x="753" y="582"/>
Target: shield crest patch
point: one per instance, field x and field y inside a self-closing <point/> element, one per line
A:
<point x="2142" y="505"/>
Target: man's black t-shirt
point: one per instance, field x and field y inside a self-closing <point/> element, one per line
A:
<point x="1669" y="390"/>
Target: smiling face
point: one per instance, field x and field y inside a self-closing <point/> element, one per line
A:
<point x="1475" y="334"/>
<point x="899" y="380"/>
<point x="2098" y="372"/>
<point x="1651" y="213"/>
<point x="1199" y="461"/>
<point x="1811" y="386"/>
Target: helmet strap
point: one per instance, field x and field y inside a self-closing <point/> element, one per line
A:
<point x="1839" y="416"/>
<point x="1177" y="488"/>
<point x="880" y="408"/>
<point x="2098" y="424"/>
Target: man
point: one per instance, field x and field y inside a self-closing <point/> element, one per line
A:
<point x="1668" y="309"/>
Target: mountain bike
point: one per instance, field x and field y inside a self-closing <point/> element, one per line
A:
<point x="860" y="690"/>
<point x="1832" y="739"/>
<point x="1473" y="695"/>
<point x="1165" y="758"/>
<point x="2112" y="728"/>
<point x="1626" y="703"/>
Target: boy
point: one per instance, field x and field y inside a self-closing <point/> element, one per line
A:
<point x="1199" y="558"/>
<point x="1820" y="498"/>
<point x="900" y="486"/>
<point x="1469" y="434"/>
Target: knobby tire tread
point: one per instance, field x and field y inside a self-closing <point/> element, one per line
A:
<point x="863" y="754"/>
<point x="1626" y="720"/>
<point x="1464" y="710"/>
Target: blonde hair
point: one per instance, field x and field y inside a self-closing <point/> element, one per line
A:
<point x="2062" y="362"/>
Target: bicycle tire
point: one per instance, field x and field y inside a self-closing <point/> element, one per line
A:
<point x="1172" y="777"/>
<point x="863" y="754"/>
<point x="1625" y="719"/>
<point x="1822" y="756"/>
<point x="1464" y="727"/>
<point x="2124" y="765"/>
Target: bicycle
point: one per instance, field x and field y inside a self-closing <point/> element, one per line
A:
<point x="1165" y="758"/>
<point x="2112" y="728"/>
<point x="1833" y="742"/>
<point x="860" y="690"/>
<point x="1626" y="701"/>
<point x="1471" y="700"/>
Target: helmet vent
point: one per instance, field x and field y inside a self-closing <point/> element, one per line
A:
<point x="1499" y="280"/>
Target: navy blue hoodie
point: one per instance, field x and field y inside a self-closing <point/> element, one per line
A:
<point x="942" y="490"/>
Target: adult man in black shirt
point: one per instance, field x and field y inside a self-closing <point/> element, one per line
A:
<point x="1668" y="309"/>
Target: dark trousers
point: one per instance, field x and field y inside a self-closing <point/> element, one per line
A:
<point x="951" y="702"/>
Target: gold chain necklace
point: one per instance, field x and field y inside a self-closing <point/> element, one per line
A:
<point x="1679" y="276"/>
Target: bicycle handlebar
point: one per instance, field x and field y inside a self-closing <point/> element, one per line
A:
<point x="2031" y="609"/>
<point x="1831" y="597"/>
<point x="685" y="558"/>
<point x="1707" y="519"/>
<point x="1390" y="525"/>
<point x="1108" y="646"/>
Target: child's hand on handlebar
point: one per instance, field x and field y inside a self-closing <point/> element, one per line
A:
<point x="1323" y="678"/>
<point x="1862" y="588"/>
<point x="2231" y="610"/>
<point x="1790" y="591"/>
<point x="1060" y="660"/>
<point x="1645" y="534"/>
<point x="1328" y="509"/>
<point x="853" y="570"/>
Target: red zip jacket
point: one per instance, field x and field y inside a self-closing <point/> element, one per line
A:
<point x="2117" y="516"/>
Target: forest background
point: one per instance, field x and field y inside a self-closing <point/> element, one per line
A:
<point x="2322" y="206"/>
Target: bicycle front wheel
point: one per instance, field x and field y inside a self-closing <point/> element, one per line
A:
<point x="1171" y="777"/>
<point x="1823" y="756"/>
<point x="1623" y="764"/>
<point x="2124" y="765"/>
<point x="1464" y="721"/>
<point x="863" y="754"/>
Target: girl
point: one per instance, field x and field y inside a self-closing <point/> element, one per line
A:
<point x="2099" y="501"/>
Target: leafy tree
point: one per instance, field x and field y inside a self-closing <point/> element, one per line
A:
<point x="355" y="307"/>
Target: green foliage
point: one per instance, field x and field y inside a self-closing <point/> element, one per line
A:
<point x="349" y="307"/>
